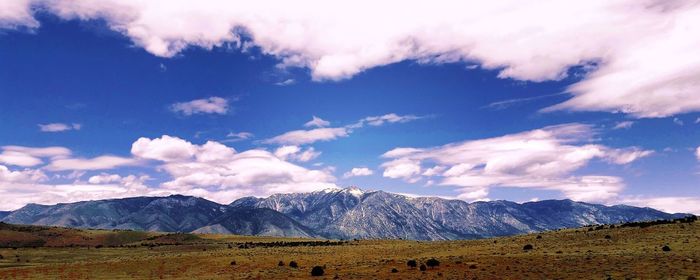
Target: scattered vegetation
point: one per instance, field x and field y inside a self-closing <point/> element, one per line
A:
<point x="293" y="264"/>
<point x="527" y="247"/>
<point x="422" y="267"/>
<point x="281" y="263"/>
<point x="665" y="248"/>
<point x="432" y="262"/>
<point x="412" y="263"/>
<point x="317" y="271"/>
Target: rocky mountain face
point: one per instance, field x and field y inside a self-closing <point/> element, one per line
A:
<point x="353" y="213"/>
<point x="332" y="213"/>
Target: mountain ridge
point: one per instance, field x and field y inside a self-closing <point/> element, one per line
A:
<point x="332" y="213"/>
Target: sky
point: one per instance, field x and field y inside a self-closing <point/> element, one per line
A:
<point x="595" y="101"/>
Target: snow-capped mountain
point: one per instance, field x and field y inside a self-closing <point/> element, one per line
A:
<point x="332" y="213"/>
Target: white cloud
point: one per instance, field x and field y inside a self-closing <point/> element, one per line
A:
<point x="30" y="186"/>
<point x="697" y="153"/>
<point x="358" y="171"/>
<point x="623" y="125"/>
<point x="217" y="172"/>
<point x="30" y="156"/>
<point x="97" y="163"/>
<point x="639" y="56"/>
<point x="300" y="137"/>
<point x="389" y="118"/>
<point x="211" y="105"/>
<point x="322" y="133"/>
<point x="296" y="153"/>
<point x="59" y="127"/>
<point x="678" y="121"/>
<point x="286" y="82"/>
<point x="238" y="136"/>
<point x="165" y="148"/>
<point x="317" y="122"/>
<point x="543" y="158"/>
<point x="670" y="204"/>
<point x="104" y="178"/>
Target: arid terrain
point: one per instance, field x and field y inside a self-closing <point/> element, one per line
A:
<point x="633" y="251"/>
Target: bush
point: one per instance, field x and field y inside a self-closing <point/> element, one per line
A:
<point x="281" y="263"/>
<point x="539" y="237"/>
<point x="233" y="262"/>
<point x="608" y="237"/>
<point x="317" y="271"/>
<point x="665" y="248"/>
<point x="422" y="267"/>
<point x="293" y="264"/>
<point x="527" y="247"/>
<point x="473" y="266"/>
<point x="432" y="262"/>
<point x="394" y="270"/>
<point x="412" y="263"/>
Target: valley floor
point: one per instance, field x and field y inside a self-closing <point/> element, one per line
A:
<point x="618" y="253"/>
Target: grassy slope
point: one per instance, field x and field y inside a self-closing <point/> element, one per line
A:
<point x="632" y="252"/>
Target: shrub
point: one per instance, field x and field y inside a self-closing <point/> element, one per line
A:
<point x="394" y="270"/>
<point x="608" y="237"/>
<point x="422" y="267"/>
<point x="233" y="262"/>
<point x="527" y="247"/>
<point x="473" y="266"/>
<point x="281" y="263"/>
<point x="293" y="264"/>
<point x="539" y="237"/>
<point x="432" y="262"/>
<point x="412" y="263"/>
<point x="317" y="271"/>
<point x="1" y="257"/>
<point x="665" y="248"/>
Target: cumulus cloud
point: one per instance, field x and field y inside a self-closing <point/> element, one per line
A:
<point x="296" y="153"/>
<point x="220" y="173"/>
<point x="543" y="158"/>
<point x="639" y="56"/>
<point x="317" y="122"/>
<point x="59" y="127"/>
<point x="358" y="171"/>
<point x="697" y="153"/>
<point x="211" y="105"/>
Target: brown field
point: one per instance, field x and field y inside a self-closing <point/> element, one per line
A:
<point x="618" y="253"/>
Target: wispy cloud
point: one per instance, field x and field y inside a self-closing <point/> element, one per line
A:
<point x="623" y="125"/>
<point x="543" y="158"/>
<point x="211" y="105"/>
<point x="59" y="127"/>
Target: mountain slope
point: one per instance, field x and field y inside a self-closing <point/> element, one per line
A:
<point x="173" y="213"/>
<point x="353" y="213"/>
<point x="332" y="213"/>
<point x="256" y="221"/>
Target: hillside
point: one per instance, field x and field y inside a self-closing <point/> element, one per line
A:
<point x="332" y="213"/>
<point x="668" y="250"/>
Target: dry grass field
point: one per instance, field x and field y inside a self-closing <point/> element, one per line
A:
<point x="584" y="253"/>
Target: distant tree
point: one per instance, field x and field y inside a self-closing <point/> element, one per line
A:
<point x="293" y="264"/>
<point x="281" y="263"/>
<point x="527" y="247"/>
<point x="665" y="248"/>
<point x="394" y="270"/>
<point x="539" y="237"/>
<point x="432" y="262"/>
<point x="422" y="267"/>
<point x="317" y="271"/>
<point x="412" y="263"/>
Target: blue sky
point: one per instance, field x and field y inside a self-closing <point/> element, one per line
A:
<point x="90" y="111"/>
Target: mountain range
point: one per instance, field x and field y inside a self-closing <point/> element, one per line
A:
<point x="332" y="213"/>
